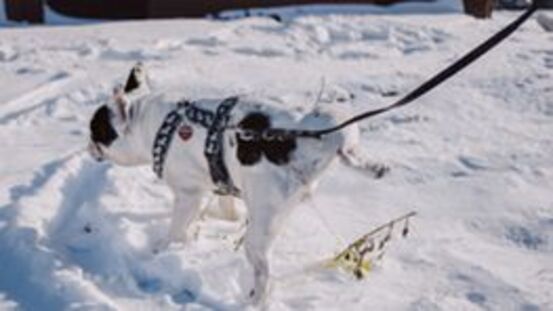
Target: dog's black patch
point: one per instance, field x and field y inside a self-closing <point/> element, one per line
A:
<point x="132" y="82"/>
<point x="250" y="152"/>
<point x="101" y="130"/>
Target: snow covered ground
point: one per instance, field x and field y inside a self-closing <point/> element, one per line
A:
<point x="473" y="158"/>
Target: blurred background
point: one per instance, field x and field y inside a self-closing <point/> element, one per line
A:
<point x="34" y="11"/>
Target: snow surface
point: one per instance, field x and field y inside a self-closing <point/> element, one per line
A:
<point x="473" y="158"/>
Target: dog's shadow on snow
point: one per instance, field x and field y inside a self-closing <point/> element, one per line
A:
<point x="87" y="236"/>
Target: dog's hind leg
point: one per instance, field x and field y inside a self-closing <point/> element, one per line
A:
<point x="257" y="242"/>
<point x="268" y="207"/>
<point x="351" y="155"/>
<point x="353" y="158"/>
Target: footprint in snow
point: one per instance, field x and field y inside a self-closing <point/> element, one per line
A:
<point x="473" y="163"/>
<point x="150" y="286"/>
<point x="184" y="296"/>
<point x="476" y="298"/>
<point x="525" y="237"/>
<point x="357" y="55"/>
<point x="136" y="55"/>
<point x="262" y="52"/>
<point x="153" y="286"/>
<point x="205" y="42"/>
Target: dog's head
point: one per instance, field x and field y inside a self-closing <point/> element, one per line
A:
<point x="110" y="126"/>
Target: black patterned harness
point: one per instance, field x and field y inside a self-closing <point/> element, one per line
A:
<point x="215" y="123"/>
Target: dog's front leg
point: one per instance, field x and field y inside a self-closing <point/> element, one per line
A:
<point x="265" y="219"/>
<point x="186" y="208"/>
<point x="228" y="208"/>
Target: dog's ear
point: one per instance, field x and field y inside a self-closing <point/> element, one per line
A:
<point x="123" y="96"/>
<point x="137" y="79"/>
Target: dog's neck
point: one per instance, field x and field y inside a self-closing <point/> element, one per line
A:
<point x="149" y="114"/>
<point x="136" y="136"/>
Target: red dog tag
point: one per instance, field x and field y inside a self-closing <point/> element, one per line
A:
<point x="185" y="132"/>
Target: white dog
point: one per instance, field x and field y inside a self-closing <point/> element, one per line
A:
<point x="209" y="146"/>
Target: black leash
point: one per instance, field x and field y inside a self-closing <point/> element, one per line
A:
<point x="279" y="133"/>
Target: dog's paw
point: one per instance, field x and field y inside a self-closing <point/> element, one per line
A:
<point x="258" y="298"/>
<point x="165" y="244"/>
<point x="160" y="245"/>
<point x="380" y="170"/>
<point x="255" y="298"/>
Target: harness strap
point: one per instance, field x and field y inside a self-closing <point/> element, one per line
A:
<point x="199" y="116"/>
<point x="215" y="123"/>
<point x="214" y="149"/>
<point x="164" y="136"/>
